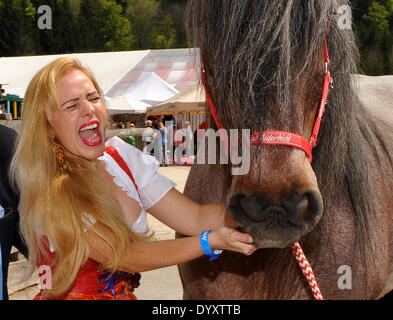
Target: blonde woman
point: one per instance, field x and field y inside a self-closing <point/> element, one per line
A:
<point x="82" y="209"/>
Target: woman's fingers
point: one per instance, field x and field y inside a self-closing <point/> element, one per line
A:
<point x="240" y="236"/>
<point x="243" y="241"/>
<point x="241" y="247"/>
<point x="231" y="239"/>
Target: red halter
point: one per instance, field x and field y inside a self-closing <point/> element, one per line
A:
<point x="282" y="137"/>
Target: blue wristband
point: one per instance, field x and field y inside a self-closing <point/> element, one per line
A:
<point x="204" y="239"/>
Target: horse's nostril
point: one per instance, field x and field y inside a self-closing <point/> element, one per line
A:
<point x="251" y="206"/>
<point x="297" y="208"/>
<point x="302" y="209"/>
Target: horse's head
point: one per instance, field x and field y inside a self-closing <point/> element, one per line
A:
<point x="278" y="200"/>
<point x="264" y="67"/>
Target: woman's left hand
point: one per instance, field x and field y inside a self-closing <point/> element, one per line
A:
<point x="230" y="239"/>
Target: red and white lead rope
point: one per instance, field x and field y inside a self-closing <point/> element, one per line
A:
<point x="307" y="271"/>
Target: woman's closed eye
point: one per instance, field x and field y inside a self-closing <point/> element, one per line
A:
<point x="95" y="99"/>
<point x="69" y="107"/>
<point x="74" y="105"/>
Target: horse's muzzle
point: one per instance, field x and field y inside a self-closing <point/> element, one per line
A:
<point x="276" y="223"/>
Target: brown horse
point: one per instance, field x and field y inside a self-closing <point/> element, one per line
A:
<point x="263" y="63"/>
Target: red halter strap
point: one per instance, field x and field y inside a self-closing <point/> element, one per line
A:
<point x="282" y="137"/>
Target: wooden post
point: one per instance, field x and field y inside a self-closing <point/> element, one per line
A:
<point x="15" y="110"/>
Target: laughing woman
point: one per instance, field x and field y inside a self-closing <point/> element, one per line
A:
<point x="83" y="199"/>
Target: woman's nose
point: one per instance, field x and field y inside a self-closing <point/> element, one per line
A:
<point x="88" y="107"/>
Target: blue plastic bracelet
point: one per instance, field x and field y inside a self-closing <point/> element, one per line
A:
<point x="204" y="239"/>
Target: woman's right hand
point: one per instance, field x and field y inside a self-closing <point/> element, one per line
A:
<point x="226" y="238"/>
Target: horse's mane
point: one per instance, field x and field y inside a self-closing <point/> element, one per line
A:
<point x="253" y="52"/>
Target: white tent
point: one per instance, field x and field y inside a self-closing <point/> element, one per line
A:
<point x="124" y="105"/>
<point x="190" y="100"/>
<point x="151" y="89"/>
<point x="108" y="67"/>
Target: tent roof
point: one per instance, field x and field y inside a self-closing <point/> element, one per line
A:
<point x="10" y="98"/>
<point x="177" y="67"/>
<point x="124" y="105"/>
<point x="190" y="100"/>
<point x="115" y="72"/>
<point x="108" y="67"/>
<point x="151" y="89"/>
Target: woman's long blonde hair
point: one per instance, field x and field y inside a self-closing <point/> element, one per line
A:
<point x="54" y="202"/>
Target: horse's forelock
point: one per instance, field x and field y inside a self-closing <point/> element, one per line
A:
<point x="254" y="51"/>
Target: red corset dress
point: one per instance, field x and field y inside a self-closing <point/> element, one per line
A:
<point x="94" y="284"/>
<point x="91" y="283"/>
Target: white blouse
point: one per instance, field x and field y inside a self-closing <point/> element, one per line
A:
<point x="152" y="186"/>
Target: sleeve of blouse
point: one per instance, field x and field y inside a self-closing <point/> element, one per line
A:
<point x="152" y="186"/>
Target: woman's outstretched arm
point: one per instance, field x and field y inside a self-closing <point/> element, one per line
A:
<point x="145" y="255"/>
<point x="188" y="217"/>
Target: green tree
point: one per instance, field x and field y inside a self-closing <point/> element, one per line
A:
<point x="62" y="38"/>
<point x="374" y="27"/>
<point x="377" y="20"/>
<point x="153" y="23"/>
<point x="142" y="14"/>
<point x="17" y="21"/>
<point x="164" y="34"/>
<point x="103" y="27"/>
<point x="175" y="8"/>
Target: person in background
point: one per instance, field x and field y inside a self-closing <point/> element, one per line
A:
<point x="179" y="144"/>
<point x="148" y="137"/>
<point x="149" y="124"/>
<point x="130" y="139"/>
<point x="154" y="124"/>
<point x="170" y="132"/>
<point x="163" y="157"/>
<point x="9" y="216"/>
<point x="188" y="139"/>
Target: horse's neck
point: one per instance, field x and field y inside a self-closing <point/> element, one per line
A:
<point x="376" y="95"/>
<point x="208" y="183"/>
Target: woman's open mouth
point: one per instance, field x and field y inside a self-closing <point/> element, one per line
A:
<point x="90" y="134"/>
